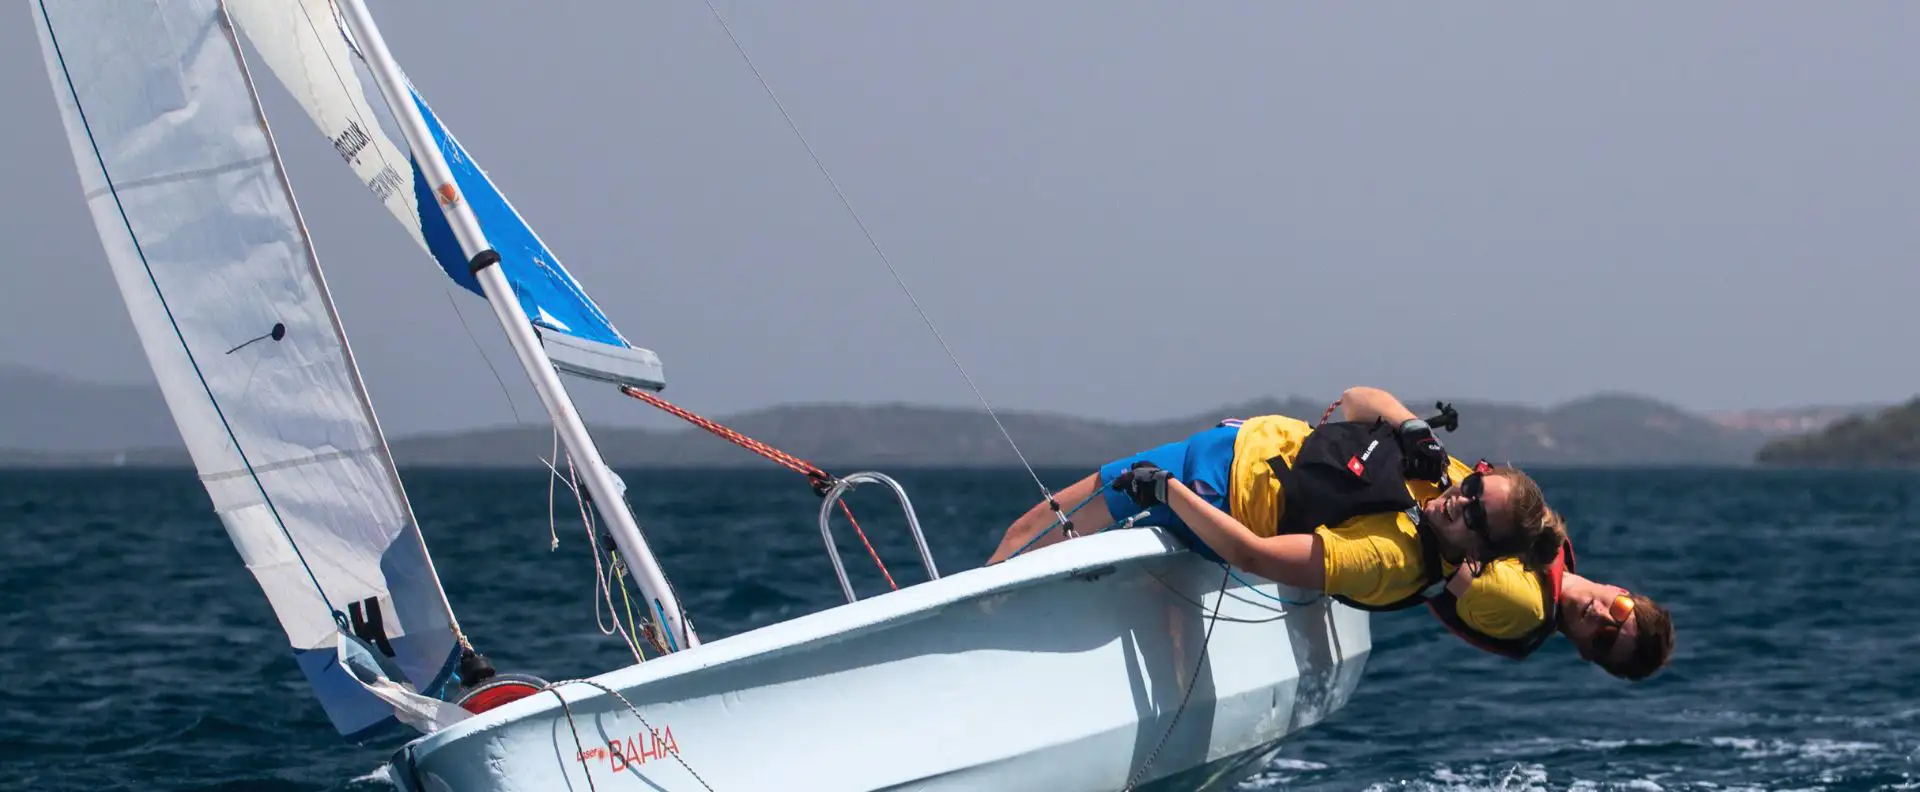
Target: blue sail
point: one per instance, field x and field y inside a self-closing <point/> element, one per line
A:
<point x="587" y="343"/>
<point x="548" y="293"/>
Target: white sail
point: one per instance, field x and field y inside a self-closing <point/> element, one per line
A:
<point x="306" y="45"/>
<point x="214" y="264"/>
<point x="300" y="43"/>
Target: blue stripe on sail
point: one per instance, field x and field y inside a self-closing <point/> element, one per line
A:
<point x="356" y="713"/>
<point x="547" y="292"/>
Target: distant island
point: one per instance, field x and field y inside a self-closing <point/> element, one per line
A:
<point x="1890" y="438"/>
<point x="48" y="421"/>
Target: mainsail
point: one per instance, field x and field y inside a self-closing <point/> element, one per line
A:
<point x="214" y="264"/>
<point x="307" y="47"/>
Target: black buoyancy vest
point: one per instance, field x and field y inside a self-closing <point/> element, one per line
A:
<point x="1348" y="469"/>
<point x="1446" y="607"/>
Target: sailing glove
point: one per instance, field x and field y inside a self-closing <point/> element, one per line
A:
<point x="1422" y="456"/>
<point x="1145" y="483"/>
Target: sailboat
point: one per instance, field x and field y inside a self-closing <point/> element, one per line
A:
<point x="1118" y="660"/>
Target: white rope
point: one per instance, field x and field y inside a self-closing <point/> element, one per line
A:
<point x="602" y="591"/>
<point x="552" y="531"/>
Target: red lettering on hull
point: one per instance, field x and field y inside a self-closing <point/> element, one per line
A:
<point x="636" y="750"/>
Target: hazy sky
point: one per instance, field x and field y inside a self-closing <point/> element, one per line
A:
<point x="1118" y="209"/>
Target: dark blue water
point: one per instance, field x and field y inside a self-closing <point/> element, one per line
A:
<point x="136" y="653"/>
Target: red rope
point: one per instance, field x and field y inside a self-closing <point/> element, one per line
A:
<point x="1329" y="413"/>
<point x="821" y="481"/>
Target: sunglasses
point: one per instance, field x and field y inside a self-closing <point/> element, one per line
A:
<point x="1606" y="635"/>
<point x="1475" y="512"/>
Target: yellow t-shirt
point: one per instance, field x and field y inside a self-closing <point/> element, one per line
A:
<point x="1504" y="602"/>
<point x="1375" y="559"/>
<point x="1255" y="492"/>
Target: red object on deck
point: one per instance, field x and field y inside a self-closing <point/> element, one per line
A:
<point x="501" y="690"/>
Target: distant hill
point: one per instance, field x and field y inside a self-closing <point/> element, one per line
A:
<point x="1792" y="420"/>
<point x="1889" y="438"/>
<point x="839" y="434"/>
<point x="1611" y="430"/>
<point x="42" y="412"/>
<point x="50" y="421"/>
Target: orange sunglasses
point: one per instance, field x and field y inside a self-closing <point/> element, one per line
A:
<point x="1619" y="611"/>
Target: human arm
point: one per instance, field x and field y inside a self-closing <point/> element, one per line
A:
<point x="1425" y="457"/>
<point x="1295" y="560"/>
<point x="1362" y="404"/>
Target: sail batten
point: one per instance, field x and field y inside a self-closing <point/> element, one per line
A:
<point x="213" y="262"/>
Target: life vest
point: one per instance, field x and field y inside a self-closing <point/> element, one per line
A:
<point x="1445" y="606"/>
<point x="1349" y="469"/>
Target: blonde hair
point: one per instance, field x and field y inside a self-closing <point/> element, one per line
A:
<point x="1537" y="531"/>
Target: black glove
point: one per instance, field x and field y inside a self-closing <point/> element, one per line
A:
<point x="1422" y="456"/>
<point x="1145" y="483"/>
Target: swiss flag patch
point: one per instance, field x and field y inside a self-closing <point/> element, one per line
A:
<point x="1359" y="468"/>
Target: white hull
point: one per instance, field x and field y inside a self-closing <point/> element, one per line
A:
<point x="1022" y="676"/>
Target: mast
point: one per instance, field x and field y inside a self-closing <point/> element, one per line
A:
<point x="484" y="263"/>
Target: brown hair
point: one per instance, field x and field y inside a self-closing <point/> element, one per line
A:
<point x="1652" y="642"/>
<point x="1537" y="531"/>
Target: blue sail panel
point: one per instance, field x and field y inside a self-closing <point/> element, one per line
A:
<point x="547" y="292"/>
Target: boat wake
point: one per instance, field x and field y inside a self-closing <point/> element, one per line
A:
<point x="1719" y="763"/>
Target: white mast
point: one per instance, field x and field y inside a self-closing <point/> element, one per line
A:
<point x="519" y="329"/>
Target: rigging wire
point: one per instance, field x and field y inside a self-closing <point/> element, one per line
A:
<point x="848" y="205"/>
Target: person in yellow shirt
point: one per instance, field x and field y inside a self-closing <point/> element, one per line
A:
<point x="1370" y="509"/>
